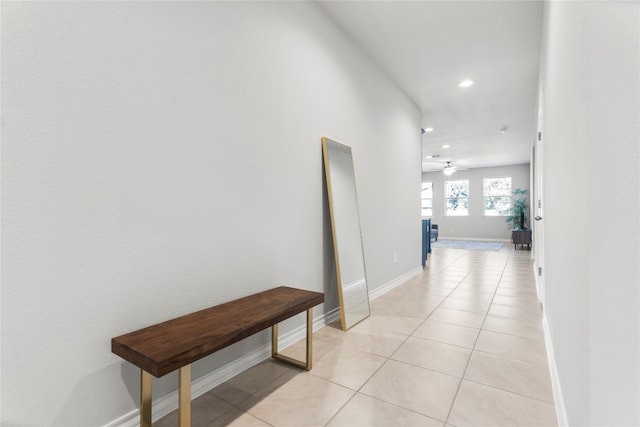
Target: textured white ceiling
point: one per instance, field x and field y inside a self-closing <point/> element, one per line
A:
<point x="428" y="47"/>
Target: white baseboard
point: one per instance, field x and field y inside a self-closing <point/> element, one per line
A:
<point x="474" y="239"/>
<point x="169" y="403"/>
<point x="558" y="399"/>
<point x="381" y="290"/>
<point x="561" y="412"/>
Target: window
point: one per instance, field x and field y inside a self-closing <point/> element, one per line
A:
<point x="427" y="199"/>
<point x="456" y="195"/>
<point x="497" y="196"/>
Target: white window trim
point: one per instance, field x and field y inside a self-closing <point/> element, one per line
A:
<point x="446" y="212"/>
<point x="426" y="198"/>
<point x="484" y="197"/>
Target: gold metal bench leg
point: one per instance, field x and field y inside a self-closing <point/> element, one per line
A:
<point x="274" y="341"/>
<point x="145" y="398"/>
<point x="184" y="391"/>
<point x="309" y="338"/>
<point x="274" y="345"/>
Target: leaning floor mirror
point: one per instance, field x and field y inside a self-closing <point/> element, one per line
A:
<point x="347" y="238"/>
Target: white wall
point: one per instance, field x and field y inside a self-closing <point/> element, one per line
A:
<point x="590" y="78"/>
<point x="476" y="225"/>
<point x="162" y="157"/>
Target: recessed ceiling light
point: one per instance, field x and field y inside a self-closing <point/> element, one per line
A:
<point x="466" y="83"/>
<point x="428" y="129"/>
<point x="446" y="146"/>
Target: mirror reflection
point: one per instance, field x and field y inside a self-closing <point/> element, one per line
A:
<point x="347" y="238"/>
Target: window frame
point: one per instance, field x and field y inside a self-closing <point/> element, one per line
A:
<point x="422" y="199"/>
<point x="508" y="195"/>
<point x="467" y="198"/>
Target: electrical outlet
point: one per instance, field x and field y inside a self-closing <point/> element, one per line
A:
<point x="395" y="257"/>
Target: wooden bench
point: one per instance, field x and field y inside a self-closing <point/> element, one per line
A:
<point x="176" y="343"/>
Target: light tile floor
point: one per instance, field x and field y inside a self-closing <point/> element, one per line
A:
<point x="459" y="345"/>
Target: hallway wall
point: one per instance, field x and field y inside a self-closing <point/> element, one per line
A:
<point x="163" y="157"/>
<point x="590" y="80"/>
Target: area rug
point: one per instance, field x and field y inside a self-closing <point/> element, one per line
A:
<point x="467" y="244"/>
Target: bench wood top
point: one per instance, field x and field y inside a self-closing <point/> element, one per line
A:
<point x="167" y="346"/>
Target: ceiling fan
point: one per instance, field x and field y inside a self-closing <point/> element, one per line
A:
<point x="449" y="170"/>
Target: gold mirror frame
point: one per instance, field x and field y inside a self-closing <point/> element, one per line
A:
<point x="347" y="236"/>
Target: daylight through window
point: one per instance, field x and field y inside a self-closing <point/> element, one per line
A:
<point x="456" y="195"/>
<point x="497" y="196"/>
<point x="427" y="199"/>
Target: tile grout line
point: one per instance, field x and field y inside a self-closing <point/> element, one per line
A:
<point x="510" y="258"/>
<point x="394" y="352"/>
<point x="475" y="343"/>
<point x="473" y="268"/>
<point x="510" y="392"/>
<point x="438" y="306"/>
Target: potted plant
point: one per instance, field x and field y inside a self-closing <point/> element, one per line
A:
<point x="519" y="217"/>
<point x="518" y="220"/>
